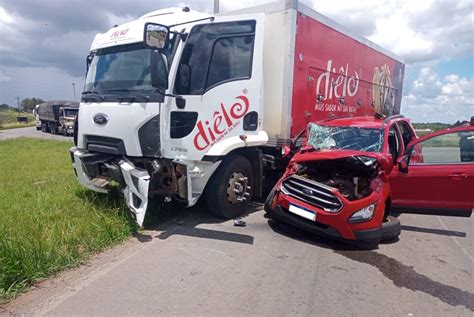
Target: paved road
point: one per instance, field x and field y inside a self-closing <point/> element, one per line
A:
<point x="193" y="265"/>
<point x="30" y="132"/>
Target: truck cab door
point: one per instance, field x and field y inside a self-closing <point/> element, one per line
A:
<point x="443" y="182"/>
<point x="219" y="76"/>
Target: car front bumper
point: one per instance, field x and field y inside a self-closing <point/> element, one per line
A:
<point x="363" y="236"/>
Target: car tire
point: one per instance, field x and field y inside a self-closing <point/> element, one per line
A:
<point x="231" y="187"/>
<point x="268" y="202"/>
<point x="391" y="229"/>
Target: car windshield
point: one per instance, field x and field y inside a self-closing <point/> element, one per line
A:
<point x="349" y="138"/>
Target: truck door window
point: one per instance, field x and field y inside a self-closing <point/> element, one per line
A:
<point x="231" y="60"/>
<point x="215" y="53"/>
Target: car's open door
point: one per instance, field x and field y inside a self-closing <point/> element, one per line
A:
<point x="436" y="176"/>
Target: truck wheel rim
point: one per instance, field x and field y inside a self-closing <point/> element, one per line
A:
<point x="237" y="188"/>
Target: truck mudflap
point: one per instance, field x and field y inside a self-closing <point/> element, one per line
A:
<point x="136" y="190"/>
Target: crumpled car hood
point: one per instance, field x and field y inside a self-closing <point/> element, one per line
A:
<point x="307" y="154"/>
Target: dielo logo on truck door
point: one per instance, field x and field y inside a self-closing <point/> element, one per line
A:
<point x="223" y="121"/>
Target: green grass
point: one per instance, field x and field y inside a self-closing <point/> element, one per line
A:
<point x="15" y="125"/>
<point x="8" y="119"/>
<point x="47" y="221"/>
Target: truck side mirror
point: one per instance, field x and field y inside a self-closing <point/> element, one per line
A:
<point x="403" y="164"/>
<point x="158" y="71"/>
<point x="156" y="36"/>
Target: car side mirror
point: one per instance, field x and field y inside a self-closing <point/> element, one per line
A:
<point x="285" y="151"/>
<point x="158" y="71"/>
<point x="403" y="164"/>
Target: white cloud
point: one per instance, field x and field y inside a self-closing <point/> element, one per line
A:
<point x="418" y="31"/>
<point x="5" y="17"/>
<point x="431" y="98"/>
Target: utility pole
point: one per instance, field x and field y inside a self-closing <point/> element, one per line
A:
<point x="74" y="90"/>
<point x="18" y="103"/>
<point x="216" y="6"/>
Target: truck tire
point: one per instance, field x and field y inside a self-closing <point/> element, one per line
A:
<point x="230" y="189"/>
<point x="53" y="129"/>
<point x="391" y="228"/>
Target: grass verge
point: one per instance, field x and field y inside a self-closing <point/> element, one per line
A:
<point x="16" y="125"/>
<point x="47" y="221"/>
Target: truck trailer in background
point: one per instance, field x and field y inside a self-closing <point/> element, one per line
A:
<point x="183" y="104"/>
<point x="57" y="116"/>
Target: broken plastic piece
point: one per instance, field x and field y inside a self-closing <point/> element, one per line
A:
<point x="239" y="223"/>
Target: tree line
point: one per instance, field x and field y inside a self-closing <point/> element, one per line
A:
<point x="27" y="104"/>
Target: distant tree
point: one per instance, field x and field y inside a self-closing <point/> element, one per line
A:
<point x="28" y="104"/>
<point x="4" y="106"/>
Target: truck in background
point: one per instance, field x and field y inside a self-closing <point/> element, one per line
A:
<point x="57" y="116"/>
<point x="183" y="104"/>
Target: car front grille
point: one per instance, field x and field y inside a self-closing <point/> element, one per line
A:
<point x="311" y="192"/>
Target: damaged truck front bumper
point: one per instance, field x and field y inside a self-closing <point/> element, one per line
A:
<point x="134" y="182"/>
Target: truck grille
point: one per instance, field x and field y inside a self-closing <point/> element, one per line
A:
<point x="311" y="192"/>
<point x="103" y="144"/>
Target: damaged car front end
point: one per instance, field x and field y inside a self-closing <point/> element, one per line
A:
<point x="336" y="190"/>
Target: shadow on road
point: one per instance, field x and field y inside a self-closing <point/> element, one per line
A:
<point x="173" y="219"/>
<point x="441" y="232"/>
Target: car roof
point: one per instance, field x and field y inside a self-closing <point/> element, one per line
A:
<point x="362" y="121"/>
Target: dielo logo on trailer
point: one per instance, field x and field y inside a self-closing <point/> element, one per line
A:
<point x="337" y="83"/>
<point x="223" y="121"/>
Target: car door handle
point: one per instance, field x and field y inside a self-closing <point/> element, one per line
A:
<point x="458" y="176"/>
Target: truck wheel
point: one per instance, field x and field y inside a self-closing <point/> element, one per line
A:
<point x="391" y="228"/>
<point x="230" y="189"/>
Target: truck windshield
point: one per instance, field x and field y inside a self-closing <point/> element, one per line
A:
<point x="349" y="138"/>
<point x="118" y="71"/>
<point x="70" y="112"/>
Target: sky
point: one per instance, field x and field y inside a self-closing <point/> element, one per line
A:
<point x="44" y="44"/>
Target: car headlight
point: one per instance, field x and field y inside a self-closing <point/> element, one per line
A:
<point x="365" y="214"/>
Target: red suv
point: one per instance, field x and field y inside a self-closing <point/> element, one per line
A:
<point x="351" y="172"/>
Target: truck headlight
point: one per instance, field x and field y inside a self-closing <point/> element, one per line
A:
<point x="365" y="214"/>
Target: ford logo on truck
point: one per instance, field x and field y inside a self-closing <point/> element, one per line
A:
<point x="101" y="119"/>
